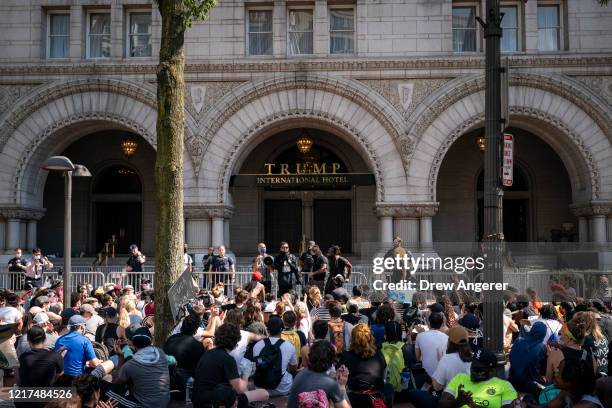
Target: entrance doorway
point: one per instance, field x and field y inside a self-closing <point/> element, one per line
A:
<point x="332" y="224"/>
<point x="283" y="222"/>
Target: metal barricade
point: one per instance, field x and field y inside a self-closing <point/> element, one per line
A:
<point x="130" y="278"/>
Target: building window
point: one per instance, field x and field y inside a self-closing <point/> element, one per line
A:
<point x="260" y="32"/>
<point x="300" y="32"/>
<point x="510" y="29"/>
<point x="342" y="31"/>
<point x="549" y="27"/>
<point x="464" y="29"/>
<point x="98" y="35"/>
<point x="58" y="44"/>
<point x="140" y="35"/>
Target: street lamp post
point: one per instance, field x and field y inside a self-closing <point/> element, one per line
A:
<point x="64" y="165"/>
<point x="493" y="190"/>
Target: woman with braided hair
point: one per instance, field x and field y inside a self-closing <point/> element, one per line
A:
<point x="572" y="336"/>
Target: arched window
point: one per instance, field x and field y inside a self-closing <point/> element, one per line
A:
<point x="118" y="180"/>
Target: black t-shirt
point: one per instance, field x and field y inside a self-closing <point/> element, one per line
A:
<point x="107" y="335"/>
<point x="318" y="263"/>
<point x="13" y="264"/>
<point x="222" y="263"/>
<point x="185" y="349"/>
<point x="354" y="319"/>
<point x="134" y="263"/>
<point x="307" y="262"/>
<point x="364" y="373"/>
<point x="215" y="367"/>
<point x="39" y="367"/>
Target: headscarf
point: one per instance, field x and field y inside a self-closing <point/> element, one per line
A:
<point x="527" y="354"/>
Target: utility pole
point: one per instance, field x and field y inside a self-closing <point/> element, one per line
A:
<point x="493" y="190"/>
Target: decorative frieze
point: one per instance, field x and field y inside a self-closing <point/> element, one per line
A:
<point x="22" y="213"/>
<point x="10" y="93"/>
<point x="601" y="85"/>
<point x="401" y="210"/>
<point x="592" y="209"/>
<point x="205" y="211"/>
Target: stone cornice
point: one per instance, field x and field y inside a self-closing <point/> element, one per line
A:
<point x="406" y="210"/>
<point x="205" y="211"/>
<point x="592" y="209"/>
<point x="290" y="65"/>
<point x="22" y="213"/>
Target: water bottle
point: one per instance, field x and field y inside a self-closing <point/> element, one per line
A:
<point x="188" y="390"/>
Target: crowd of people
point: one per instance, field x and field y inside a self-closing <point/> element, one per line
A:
<point x="329" y="344"/>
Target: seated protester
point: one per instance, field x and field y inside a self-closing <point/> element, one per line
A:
<point x="216" y="381"/>
<point x="472" y="323"/>
<point x="253" y="319"/>
<point x="320" y="332"/>
<point x="480" y="388"/>
<point x="78" y="348"/>
<point x="385" y="313"/>
<point x="376" y="299"/>
<point x="353" y="316"/>
<point x="88" y="389"/>
<point x="146" y="373"/>
<point x="314" y="378"/>
<point x="366" y="366"/>
<point x="275" y="360"/>
<point x="41" y="320"/>
<point x="576" y="380"/>
<point x="186" y="349"/>
<point x="322" y="312"/>
<point x="550" y="318"/>
<point x="107" y="333"/>
<point x="430" y="345"/>
<point x="39" y="367"/>
<point x="339" y="330"/>
<point x="92" y="318"/>
<point x="596" y="342"/>
<point x="394" y="355"/>
<point x="291" y="334"/>
<point x="571" y="339"/>
<point x="458" y="358"/>
<point x="240" y="300"/>
<point x="236" y="317"/>
<point x="528" y="360"/>
<point x="358" y="299"/>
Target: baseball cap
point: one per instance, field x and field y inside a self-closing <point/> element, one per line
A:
<point x="142" y="337"/>
<point x="485" y="357"/>
<point x="458" y="335"/>
<point x="257" y="276"/>
<point x="131" y="330"/>
<point x="110" y="312"/>
<point x="469" y="321"/>
<point x="88" y="308"/>
<point x="34" y="310"/>
<point x="41" y="318"/>
<point x="77" y="320"/>
<point x="436" y="308"/>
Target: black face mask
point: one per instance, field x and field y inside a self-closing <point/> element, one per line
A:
<point x="480" y="374"/>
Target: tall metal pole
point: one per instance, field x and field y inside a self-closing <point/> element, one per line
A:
<point x="493" y="190"/>
<point x="67" y="236"/>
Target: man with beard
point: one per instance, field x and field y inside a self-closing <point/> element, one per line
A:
<point x="481" y="388"/>
<point x="285" y="265"/>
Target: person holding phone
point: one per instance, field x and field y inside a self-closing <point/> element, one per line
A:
<point x="136" y="260"/>
<point x="36" y="268"/>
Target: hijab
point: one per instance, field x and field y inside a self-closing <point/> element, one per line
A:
<point x="527" y="353"/>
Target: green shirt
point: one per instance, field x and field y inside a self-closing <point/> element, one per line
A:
<point x="493" y="393"/>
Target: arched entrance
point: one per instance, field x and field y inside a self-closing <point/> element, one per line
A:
<point x="301" y="184"/>
<point x="119" y="198"/>
<point x="536" y="207"/>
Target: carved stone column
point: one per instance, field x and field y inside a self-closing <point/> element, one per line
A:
<point x="592" y="221"/>
<point x="384" y="212"/>
<point x="218" y="214"/>
<point x="18" y="217"/>
<point x="197" y="228"/>
<point x="598" y="222"/>
<point x="411" y="221"/>
<point x="307" y="217"/>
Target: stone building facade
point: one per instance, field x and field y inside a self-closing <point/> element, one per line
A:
<point x="392" y="89"/>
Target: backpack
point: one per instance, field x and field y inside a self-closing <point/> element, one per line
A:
<point x="269" y="363"/>
<point x="313" y="399"/>
<point x="292" y="337"/>
<point x="394" y="357"/>
<point x="336" y="334"/>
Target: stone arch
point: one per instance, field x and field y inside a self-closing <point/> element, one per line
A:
<point x="47" y="122"/>
<point x="356" y="113"/>
<point x="308" y="92"/>
<point x="574" y="126"/>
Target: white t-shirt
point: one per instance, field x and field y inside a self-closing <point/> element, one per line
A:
<point x="552" y="326"/>
<point x="289" y="358"/>
<point x="241" y="347"/>
<point x="448" y="367"/>
<point x="9" y="315"/>
<point x="187" y="260"/>
<point x="431" y="343"/>
<point x="91" y="325"/>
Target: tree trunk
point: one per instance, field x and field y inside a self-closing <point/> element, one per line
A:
<point x="169" y="161"/>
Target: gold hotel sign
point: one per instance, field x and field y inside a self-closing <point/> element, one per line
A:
<point x="302" y="176"/>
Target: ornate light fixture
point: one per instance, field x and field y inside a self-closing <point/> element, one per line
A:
<point x="304" y="143"/>
<point x="481" y="142"/>
<point x="129" y="146"/>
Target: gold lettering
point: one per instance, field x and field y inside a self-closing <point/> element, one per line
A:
<point x="335" y="167"/>
<point x="298" y="168"/>
<point x="284" y="168"/>
<point x="269" y="167"/>
<point x="320" y="169"/>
